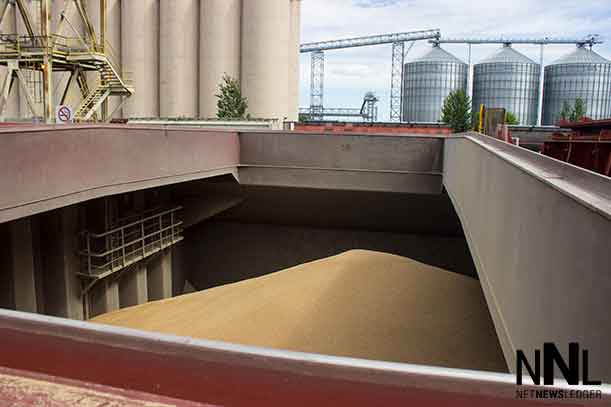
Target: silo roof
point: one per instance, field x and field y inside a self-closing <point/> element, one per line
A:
<point x="438" y="54"/>
<point x="581" y="55"/>
<point x="507" y="55"/>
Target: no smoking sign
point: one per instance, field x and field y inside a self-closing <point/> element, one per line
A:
<point x="63" y="114"/>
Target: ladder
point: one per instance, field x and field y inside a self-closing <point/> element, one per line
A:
<point x="110" y="83"/>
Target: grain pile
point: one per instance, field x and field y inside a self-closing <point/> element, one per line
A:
<point x="360" y="303"/>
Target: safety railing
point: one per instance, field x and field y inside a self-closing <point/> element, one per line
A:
<point x="114" y="250"/>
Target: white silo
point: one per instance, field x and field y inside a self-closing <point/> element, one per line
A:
<point x="428" y="80"/>
<point x="140" y="55"/>
<point x="293" y="86"/>
<point x="510" y="80"/>
<point x="113" y="38"/>
<point x="11" y="109"/>
<point x="265" y="57"/>
<point x="582" y="74"/>
<point x="178" y="43"/>
<point x="219" y="51"/>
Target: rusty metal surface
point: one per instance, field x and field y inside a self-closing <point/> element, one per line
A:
<point x="24" y="389"/>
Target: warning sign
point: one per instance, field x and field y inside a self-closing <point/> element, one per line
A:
<point x="63" y="114"/>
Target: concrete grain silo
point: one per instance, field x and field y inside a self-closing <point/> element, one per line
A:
<point x="11" y="110"/>
<point x="581" y="74"/>
<point x="265" y="57"/>
<point x="113" y="38"/>
<point x="293" y="86"/>
<point x="175" y="53"/>
<point x="508" y="79"/>
<point x="140" y="55"/>
<point x="219" y="51"/>
<point x="178" y="51"/>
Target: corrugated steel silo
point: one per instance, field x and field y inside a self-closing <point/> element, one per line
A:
<point x="265" y="57"/>
<point x="427" y="81"/>
<point x="581" y="74"/>
<point x="293" y="107"/>
<point x="510" y="80"/>
<point x="178" y="51"/>
<point x="140" y="55"/>
<point x="219" y="51"/>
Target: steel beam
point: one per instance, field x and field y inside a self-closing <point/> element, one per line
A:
<point x="82" y="10"/>
<point x="588" y="40"/>
<point x="6" y="87"/>
<point x="25" y="15"/>
<point x="26" y="92"/>
<point x="334" y="112"/>
<point x="102" y="45"/>
<point x="370" y="40"/>
<point x="73" y="77"/>
<point x="396" y="80"/>
<point x="541" y="81"/>
<point x="3" y="8"/>
<point x="47" y="65"/>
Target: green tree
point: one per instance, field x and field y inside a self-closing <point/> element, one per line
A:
<point x="511" y="118"/>
<point x="456" y="111"/>
<point x="579" y="110"/>
<point x="230" y="104"/>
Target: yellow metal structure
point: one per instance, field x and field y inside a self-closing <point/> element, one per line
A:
<point x="482" y="115"/>
<point x="49" y="53"/>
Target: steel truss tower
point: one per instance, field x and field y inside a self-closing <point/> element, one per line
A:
<point x="40" y="50"/>
<point x="399" y="53"/>
<point x="317" y="86"/>
<point x="398" y="41"/>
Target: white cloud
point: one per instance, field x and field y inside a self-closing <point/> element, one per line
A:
<point x="352" y="72"/>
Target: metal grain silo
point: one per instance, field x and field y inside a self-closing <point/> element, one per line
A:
<point x="293" y="86"/>
<point x="219" y="51"/>
<point x="427" y="81"/>
<point x="510" y="80"/>
<point x="178" y="51"/>
<point x="265" y="57"/>
<point x="581" y="74"/>
<point x="140" y="55"/>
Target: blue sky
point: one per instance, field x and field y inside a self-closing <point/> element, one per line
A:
<point x="352" y="72"/>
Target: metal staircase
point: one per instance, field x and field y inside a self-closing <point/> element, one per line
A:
<point x="110" y="83"/>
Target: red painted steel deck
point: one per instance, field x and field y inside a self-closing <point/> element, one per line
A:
<point x="20" y="388"/>
<point x="588" y="146"/>
<point x="147" y="365"/>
